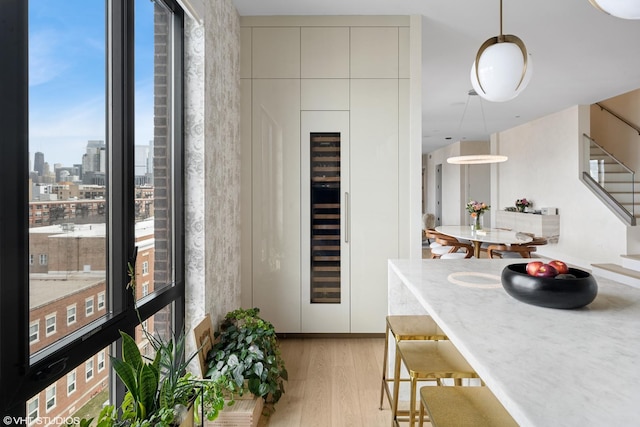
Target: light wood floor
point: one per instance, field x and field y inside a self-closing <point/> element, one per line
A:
<point x="332" y="382"/>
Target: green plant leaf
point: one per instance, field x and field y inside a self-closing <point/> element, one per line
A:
<point x="258" y="369"/>
<point x="148" y="389"/>
<point x="126" y="373"/>
<point x="263" y="389"/>
<point x="130" y="351"/>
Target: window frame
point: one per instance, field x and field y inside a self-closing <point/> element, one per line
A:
<point x="39" y="371"/>
<point x="36" y="400"/>
<point x="73" y="373"/>
<point x="73" y="307"/>
<point x="89" y="368"/>
<point x="48" y="408"/>
<point x="101" y="301"/>
<point x="89" y="307"/>
<point x="37" y="324"/>
<point x="46" y="324"/>
<point x="102" y="358"/>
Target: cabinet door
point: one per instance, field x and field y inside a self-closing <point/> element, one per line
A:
<point x="325" y="289"/>
<point x="374" y="198"/>
<point x="276" y="201"/>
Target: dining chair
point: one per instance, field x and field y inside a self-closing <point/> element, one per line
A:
<point x="516" y="251"/>
<point x="450" y="246"/>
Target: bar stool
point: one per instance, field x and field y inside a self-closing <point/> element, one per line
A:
<point x="463" y="407"/>
<point x="406" y="328"/>
<point x="427" y="361"/>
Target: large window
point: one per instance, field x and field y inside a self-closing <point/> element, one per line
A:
<point x="91" y="158"/>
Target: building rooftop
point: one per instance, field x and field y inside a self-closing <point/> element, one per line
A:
<point x="47" y="288"/>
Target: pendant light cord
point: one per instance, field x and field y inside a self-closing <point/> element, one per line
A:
<point x="500" y="37"/>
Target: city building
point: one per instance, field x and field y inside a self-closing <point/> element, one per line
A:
<point x="67" y="292"/>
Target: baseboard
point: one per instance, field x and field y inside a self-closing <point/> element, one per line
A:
<point x="330" y="335"/>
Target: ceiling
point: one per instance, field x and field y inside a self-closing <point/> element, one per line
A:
<point x="580" y="56"/>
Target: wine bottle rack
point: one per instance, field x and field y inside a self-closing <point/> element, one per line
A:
<point x="325" y="218"/>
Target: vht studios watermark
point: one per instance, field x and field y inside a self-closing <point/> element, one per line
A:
<point x="25" y="421"/>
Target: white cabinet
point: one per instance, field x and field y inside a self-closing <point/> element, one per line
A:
<point x="324" y="52"/>
<point x="374" y="198"/>
<point x="275" y="193"/>
<point x="347" y="84"/>
<point x="275" y="52"/>
<point x="540" y="225"/>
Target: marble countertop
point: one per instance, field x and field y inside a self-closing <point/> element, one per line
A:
<point x="548" y="367"/>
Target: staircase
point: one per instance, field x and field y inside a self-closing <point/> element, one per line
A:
<point x="613" y="182"/>
<point x="616" y="179"/>
<point x="627" y="273"/>
<point x="616" y="185"/>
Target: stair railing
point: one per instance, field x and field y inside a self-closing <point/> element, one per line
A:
<point x="617" y="116"/>
<point x="606" y="176"/>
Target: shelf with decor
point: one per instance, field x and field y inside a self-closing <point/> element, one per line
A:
<point x="540" y="225"/>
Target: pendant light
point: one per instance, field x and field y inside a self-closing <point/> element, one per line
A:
<point x="502" y="68"/>
<point x="475" y="159"/>
<point x="625" y="9"/>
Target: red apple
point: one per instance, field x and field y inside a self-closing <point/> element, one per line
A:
<point x="561" y="266"/>
<point x="533" y="266"/>
<point x="546" y="270"/>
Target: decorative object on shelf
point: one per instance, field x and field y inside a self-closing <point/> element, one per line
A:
<point x="575" y="289"/>
<point x="625" y="9"/>
<point x="476" y="209"/>
<point x="502" y="68"/>
<point x="523" y="204"/>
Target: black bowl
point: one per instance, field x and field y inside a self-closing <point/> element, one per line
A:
<point x="549" y="291"/>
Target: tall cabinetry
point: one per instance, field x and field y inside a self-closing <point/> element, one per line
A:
<point x="325" y="104"/>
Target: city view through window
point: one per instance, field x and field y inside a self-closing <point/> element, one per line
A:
<point x="69" y="186"/>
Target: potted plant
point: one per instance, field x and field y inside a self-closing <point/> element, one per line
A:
<point x="246" y="357"/>
<point x="160" y="390"/>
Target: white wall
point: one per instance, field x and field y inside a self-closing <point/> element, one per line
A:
<point x="460" y="183"/>
<point x="212" y="159"/>
<point x="619" y="139"/>
<point x="543" y="166"/>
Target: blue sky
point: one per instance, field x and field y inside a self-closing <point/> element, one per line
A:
<point x="67" y="77"/>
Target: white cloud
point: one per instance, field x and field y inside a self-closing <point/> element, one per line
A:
<point x="44" y="63"/>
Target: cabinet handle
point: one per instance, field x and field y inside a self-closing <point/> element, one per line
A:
<point x="346" y="217"/>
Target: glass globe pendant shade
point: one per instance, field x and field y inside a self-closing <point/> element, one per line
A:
<point x="625" y="9"/>
<point x="501" y="70"/>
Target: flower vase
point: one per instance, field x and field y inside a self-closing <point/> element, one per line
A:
<point x="521" y="208"/>
<point x="476" y="222"/>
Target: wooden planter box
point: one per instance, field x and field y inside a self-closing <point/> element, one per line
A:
<point x="245" y="412"/>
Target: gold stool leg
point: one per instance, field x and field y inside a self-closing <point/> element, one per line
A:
<point x="421" y="422"/>
<point x="384" y="366"/>
<point x="412" y="404"/>
<point x="396" y="386"/>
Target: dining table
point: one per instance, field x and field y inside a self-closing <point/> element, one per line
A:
<point x="548" y="367"/>
<point x="485" y="235"/>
